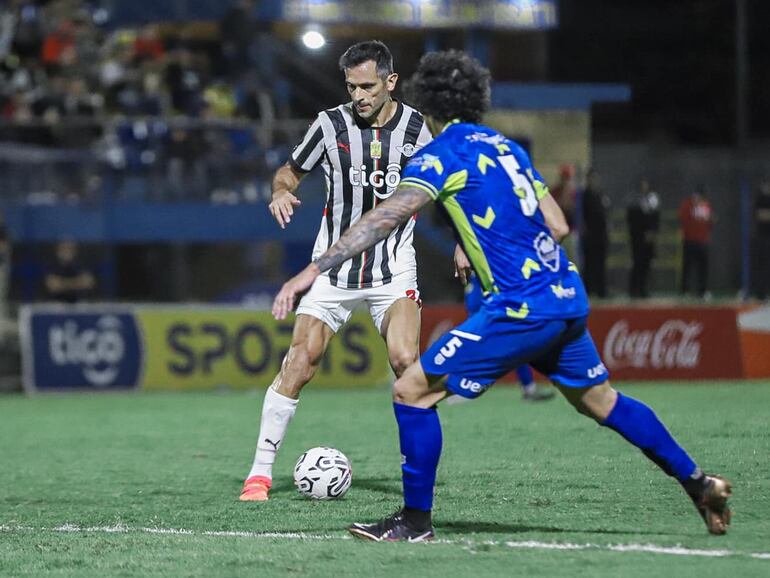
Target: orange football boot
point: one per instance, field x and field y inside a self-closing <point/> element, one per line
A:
<point x="255" y="489"/>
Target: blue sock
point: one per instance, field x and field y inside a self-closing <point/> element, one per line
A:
<point x="419" y="432"/>
<point x="524" y="373"/>
<point x="639" y="425"/>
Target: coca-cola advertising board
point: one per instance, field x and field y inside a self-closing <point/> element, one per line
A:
<point x="668" y="342"/>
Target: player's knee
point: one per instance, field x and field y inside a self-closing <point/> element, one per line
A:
<point x="581" y="408"/>
<point x="404" y="396"/>
<point x="600" y="401"/>
<point x="401" y="359"/>
<point x="405" y="392"/>
<point x="595" y="402"/>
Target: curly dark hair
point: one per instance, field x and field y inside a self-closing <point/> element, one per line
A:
<point x="365" y="51"/>
<point x="449" y="85"/>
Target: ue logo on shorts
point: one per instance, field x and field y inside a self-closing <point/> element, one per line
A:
<point x="472" y="386"/>
<point x="597" y="371"/>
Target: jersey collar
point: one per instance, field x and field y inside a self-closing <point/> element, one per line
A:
<point x="450" y="123"/>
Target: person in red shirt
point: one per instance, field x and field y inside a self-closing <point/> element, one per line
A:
<point x="148" y="45"/>
<point x="697" y="220"/>
<point x="59" y="46"/>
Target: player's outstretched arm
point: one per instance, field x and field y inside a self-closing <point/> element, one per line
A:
<point x="369" y="230"/>
<point x="285" y="183"/>
<point x="374" y="226"/>
<point x="554" y="218"/>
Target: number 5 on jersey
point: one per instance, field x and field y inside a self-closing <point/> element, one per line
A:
<point x="522" y="186"/>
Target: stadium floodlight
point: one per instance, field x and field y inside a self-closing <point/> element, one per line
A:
<point x="313" y="39"/>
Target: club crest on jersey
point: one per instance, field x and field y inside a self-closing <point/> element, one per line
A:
<point x="547" y="251"/>
<point x="407" y="150"/>
<point x="375" y="149"/>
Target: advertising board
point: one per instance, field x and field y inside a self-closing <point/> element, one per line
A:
<point x="105" y="347"/>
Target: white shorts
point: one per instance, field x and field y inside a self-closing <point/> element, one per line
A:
<point x="334" y="305"/>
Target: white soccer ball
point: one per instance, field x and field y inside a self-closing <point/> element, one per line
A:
<point x="322" y="474"/>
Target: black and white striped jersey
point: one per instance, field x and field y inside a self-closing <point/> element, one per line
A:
<point x="362" y="165"/>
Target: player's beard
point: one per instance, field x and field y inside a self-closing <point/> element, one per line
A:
<point x="373" y="112"/>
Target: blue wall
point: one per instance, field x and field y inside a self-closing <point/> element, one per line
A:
<point x="135" y="222"/>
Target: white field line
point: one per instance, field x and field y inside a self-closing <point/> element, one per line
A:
<point x="467" y="544"/>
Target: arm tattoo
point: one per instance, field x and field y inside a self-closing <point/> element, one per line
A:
<point x="374" y="226"/>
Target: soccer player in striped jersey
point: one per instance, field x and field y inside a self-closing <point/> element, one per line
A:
<point x="361" y="147"/>
<point x="535" y="306"/>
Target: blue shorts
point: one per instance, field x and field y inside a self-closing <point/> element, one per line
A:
<point x="489" y="344"/>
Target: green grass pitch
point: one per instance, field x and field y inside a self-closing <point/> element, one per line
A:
<point x="147" y="485"/>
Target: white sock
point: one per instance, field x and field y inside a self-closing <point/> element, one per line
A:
<point x="277" y="411"/>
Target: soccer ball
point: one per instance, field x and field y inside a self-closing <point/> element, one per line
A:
<point x="322" y="474"/>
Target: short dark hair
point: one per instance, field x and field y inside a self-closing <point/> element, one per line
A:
<point x="369" y="50"/>
<point x="450" y="85"/>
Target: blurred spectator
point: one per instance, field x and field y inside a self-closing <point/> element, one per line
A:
<point x="114" y="67"/>
<point x="762" y="240"/>
<point x="67" y="84"/>
<point x="185" y="83"/>
<point x="88" y="42"/>
<point x="49" y="99"/>
<point x="696" y="218"/>
<point x="17" y="109"/>
<point x="78" y="101"/>
<point x="185" y="166"/>
<point x="643" y="218"/>
<point x="59" y="46"/>
<point x="148" y="45"/>
<point x="594" y="236"/>
<point x="5" y="267"/>
<point x="28" y="37"/>
<point x="254" y="100"/>
<point x="564" y="192"/>
<point x="7" y="30"/>
<point x="68" y="281"/>
<point x="238" y="30"/>
<point x="220" y="101"/>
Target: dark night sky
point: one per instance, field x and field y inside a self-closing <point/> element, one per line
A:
<point x="678" y="57"/>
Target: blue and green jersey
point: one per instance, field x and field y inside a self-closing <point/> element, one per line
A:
<point x="490" y="192"/>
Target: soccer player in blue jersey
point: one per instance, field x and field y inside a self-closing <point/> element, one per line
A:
<point x="535" y="306"/>
<point x="474" y="299"/>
